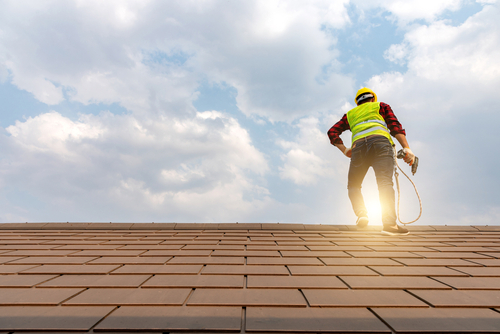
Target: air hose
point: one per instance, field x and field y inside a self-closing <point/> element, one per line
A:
<point x="396" y="174"/>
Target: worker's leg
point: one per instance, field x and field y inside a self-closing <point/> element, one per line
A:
<point x="383" y="165"/>
<point x="357" y="171"/>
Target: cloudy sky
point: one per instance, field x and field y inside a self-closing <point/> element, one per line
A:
<point x="217" y="110"/>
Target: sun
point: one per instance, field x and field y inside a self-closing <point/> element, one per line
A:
<point x="371" y="198"/>
<point x="374" y="211"/>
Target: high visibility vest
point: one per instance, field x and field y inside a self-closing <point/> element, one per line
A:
<point x="365" y="120"/>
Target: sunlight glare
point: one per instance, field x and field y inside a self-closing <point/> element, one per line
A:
<point x="374" y="211"/>
<point x="370" y="195"/>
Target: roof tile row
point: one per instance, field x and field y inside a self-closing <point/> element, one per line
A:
<point x="254" y="278"/>
<point x="226" y="226"/>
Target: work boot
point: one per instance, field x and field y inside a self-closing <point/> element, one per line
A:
<point x="388" y="230"/>
<point x="362" y="222"/>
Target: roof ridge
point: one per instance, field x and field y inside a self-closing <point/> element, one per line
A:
<point x="229" y="226"/>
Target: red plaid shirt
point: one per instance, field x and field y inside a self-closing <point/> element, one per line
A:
<point x="385" y="111"/>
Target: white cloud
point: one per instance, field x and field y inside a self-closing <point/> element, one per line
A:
<point x="397" y="53"/>
<point x="51" y="132"/>
<point x="169" y="167"/>
<point x="82" y="53"/>
<point x="444" y="100"/>
<point x="302" y="167"/>
<point x="43" y="90"/>
<point x="281" y="76"/>
<point x="164" y="160"/>
<point x="4" y="74"/>
<point x="163" y="157"/>
<point x="273" y="52"/>
<point x="309" y="158"/>
<point x="445" y="64"/>
<point x="407" y="11"/>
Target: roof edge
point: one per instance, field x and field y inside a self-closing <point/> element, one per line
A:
<point x="230" y="226"/>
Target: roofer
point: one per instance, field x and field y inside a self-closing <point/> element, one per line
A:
<point x="372" y="124"/>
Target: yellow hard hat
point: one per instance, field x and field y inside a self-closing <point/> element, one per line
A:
<point x="364" y="91"/>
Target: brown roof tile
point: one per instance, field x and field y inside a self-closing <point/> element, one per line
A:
<point x="460" y="298"/>
<point x="246" y="253"/>
<point x="438" y="263"/>
<point x="130" y="260"/>
<point x="87" y="247"/>
<point x="393" y="254"/>
<point x="438" y="320"/>
<point x="452" y="255"/>
<point x="369" y="261"/>
<point x="93" y="281"/>
<point x="361" y="298"/>
<point x="176" y="253"/>
<point x="472" y="283"/>
<point x="157" y="269"/>
<point x="314" y="254"/>
<point x="23" y="281"/>
<point x="247" y="297"/>
<point x="213" y="269"/>
<point x="303" y="261"/>
<point x="170" y="318"/>
<point x="486" y="262"/>
<point x="296" y="282"/>
<point x="33" y="252"/>
<point x="417" y="271"/>
<point x="481" y="271"/>
<point x="70" y="269"/>
<point x="129" y="297"/>
<point x="207" y="260"/>
<point x="266" y="319"/>
<point x="53" y="260"/>
<point x="35" y="296"/>
<point x="150" y="247"/>
<point x="246" y="277"/>
<point x="195" y="281"/>
<point x="55" y="318"/>
<point x="214" y="247"/>
<point x="7" y="259"/>
<point x="332" y="270"/>
<point x="391" y="282"/>
<point x="13" y="269"/>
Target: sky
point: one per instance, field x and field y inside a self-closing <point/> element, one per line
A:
<point x="216" y="111"/>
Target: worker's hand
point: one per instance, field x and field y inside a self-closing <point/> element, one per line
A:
<point x="348" y="152"/>
<point x="409" y="157"/>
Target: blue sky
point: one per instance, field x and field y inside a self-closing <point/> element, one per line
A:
<point x="209" y="111"/>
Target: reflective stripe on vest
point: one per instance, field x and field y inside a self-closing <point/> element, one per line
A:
<point x="370" y="130"/>
<point x="384" y="124"/>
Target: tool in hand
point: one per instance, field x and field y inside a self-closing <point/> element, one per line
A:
<point x="401" y="154"/>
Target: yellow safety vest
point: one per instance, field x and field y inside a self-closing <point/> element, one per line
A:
<point x="365" y="120"/>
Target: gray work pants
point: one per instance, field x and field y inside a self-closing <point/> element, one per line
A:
<point x="375" y="152"/>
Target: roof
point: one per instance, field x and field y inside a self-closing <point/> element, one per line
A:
<point x="116" y="277"/>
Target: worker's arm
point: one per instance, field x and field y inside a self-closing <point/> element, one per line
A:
<point x="409" y="157"/>
<point x="391" y="120"/>
<point x="343" y="149"/>
<point x="402" y="140"/>
<point x="397" y="131"/>
<point x="335" y="132"/>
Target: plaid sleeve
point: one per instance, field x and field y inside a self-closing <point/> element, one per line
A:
<point x="336" y="130"/>
<point x="391" y="120"/>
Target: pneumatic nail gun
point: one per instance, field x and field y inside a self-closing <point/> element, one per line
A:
<point x="414" y="167"/>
